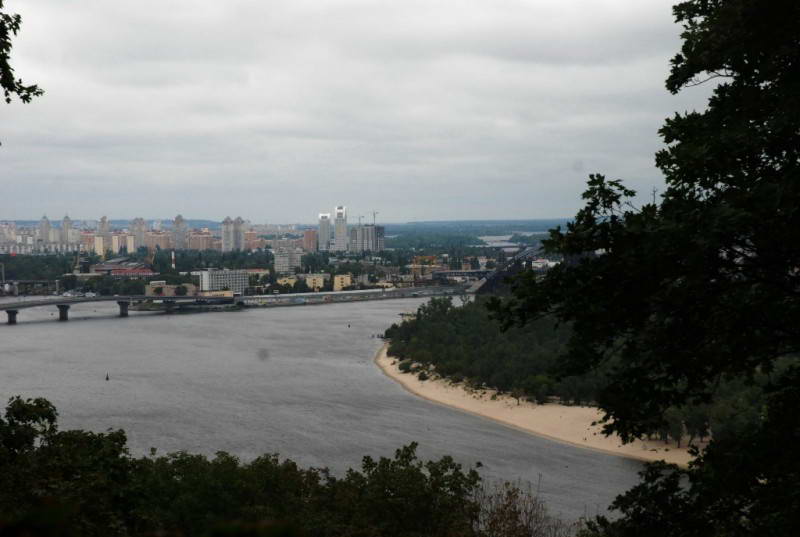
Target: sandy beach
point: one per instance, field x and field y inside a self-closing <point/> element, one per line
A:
<point x="568" y="424"/>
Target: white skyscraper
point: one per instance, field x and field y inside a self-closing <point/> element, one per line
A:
<point x="324" y="233"/>
<point x="340" y="235"/>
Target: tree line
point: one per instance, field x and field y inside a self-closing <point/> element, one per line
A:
<point x="79" y="483"/>
<point x="466" y="344"/>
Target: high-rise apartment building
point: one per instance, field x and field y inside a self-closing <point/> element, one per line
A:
<point x="310" y="240"/>
<point x="227" y="234"/>
<point x="340" y="235"/>
<point x="324" y="232"/>
<point x="366" y="238"/>
<point x="104" y="227"/>
<point x="44" y="232"/>
<point x="239" y="228"/>
<point x="201" y="240"/>
<point x="180" y="233"/>
<point x="233" y="234"/>
<point x="66" y="231"/>
<point x="139" y="229"/>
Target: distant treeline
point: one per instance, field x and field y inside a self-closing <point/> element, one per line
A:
<point x="36" y="267"/>
<point x="464" y="344"/>
<point x="79" y="483"/>
<point x="476" y="227"/>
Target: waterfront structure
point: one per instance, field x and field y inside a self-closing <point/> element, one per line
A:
<point x="160" y="288"/>
<point x="324" y="232"/>
<point x="340" y="235"/>
<point x="224" y="279"/>
<point x="310" y="240"/>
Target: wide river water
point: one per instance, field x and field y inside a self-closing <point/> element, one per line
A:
<point x="294" y="380"/>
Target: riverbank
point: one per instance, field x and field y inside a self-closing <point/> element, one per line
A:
<point x="568" y="424"/>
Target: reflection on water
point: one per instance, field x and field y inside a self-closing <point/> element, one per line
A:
<point x="295" y="380"/>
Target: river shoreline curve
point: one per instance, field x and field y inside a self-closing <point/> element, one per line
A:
<point x="561" y="423"/>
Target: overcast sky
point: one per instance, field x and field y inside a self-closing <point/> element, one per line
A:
<point x="279" y="110"/>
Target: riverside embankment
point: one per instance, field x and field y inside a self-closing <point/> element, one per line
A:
<point x="568" y="424"/>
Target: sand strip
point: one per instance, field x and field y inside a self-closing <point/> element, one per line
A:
<point x="568" y="424"/>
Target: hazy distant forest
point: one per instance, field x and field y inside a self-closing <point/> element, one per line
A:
<point x="682" y="313"/>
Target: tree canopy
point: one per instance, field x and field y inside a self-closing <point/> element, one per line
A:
<point x="702" y="287"/>
<point x="79" y="483"/>
<point x="9" y="27"/>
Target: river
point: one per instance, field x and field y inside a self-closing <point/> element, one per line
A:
<point x="299" y="381"/>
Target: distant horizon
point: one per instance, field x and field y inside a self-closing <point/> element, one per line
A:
<point x="210" y="220"/>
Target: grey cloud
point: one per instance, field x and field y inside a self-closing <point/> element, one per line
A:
<point x="277" y="110"/>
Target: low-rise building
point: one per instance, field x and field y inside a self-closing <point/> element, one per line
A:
<point x="223" y="280"/>
<point x="340" y="281"/>
<point x="316" y="282"/>
<point x="287" y="280"/>
<point x="160" y="288"/>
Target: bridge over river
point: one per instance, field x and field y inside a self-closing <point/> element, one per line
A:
<point x="63" y="303"/>
<point x="170" y="303"/>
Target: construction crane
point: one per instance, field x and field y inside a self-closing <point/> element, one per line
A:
<point x="374" y="214"/>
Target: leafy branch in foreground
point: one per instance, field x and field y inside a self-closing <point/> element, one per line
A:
<point x="9" y="27"/>
<point x="678" y="298"/>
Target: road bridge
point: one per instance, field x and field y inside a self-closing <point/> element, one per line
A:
<point x="289" y="299"/>
<point x="499" y="274"/>
<point x="63" y="303"/>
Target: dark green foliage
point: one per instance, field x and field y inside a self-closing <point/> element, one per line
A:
<point x="37" y="267"/>
<point x="699" y="294"/>
<point x="463" y="343"/>
<point x="77" y="483"/>
<point x="108" y="285"/>
<point x="315" y="262"/>
<point x="188" y="260"/>
<point x="439" y="241"/>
